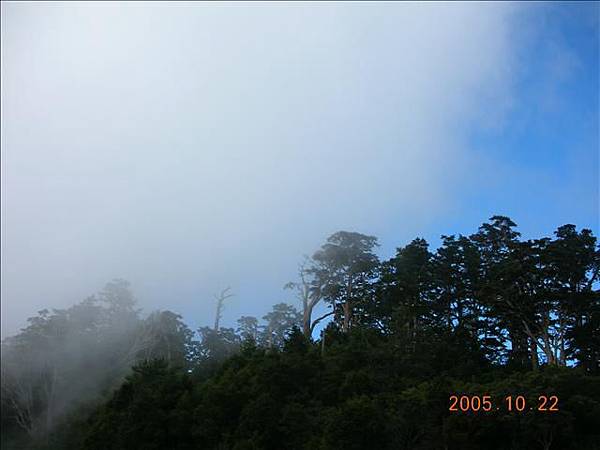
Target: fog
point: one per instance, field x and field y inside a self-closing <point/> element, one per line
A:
<point x="188" y="147"/>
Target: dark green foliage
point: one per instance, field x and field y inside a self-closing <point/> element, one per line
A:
<point x="487" y="314"/>
<point x="355" y="396"/>
<point x="151" y="410"/>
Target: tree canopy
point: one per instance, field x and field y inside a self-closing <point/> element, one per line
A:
<point x="484" y="314"/>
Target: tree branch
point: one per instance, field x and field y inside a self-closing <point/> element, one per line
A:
<point x="316" y="321"/>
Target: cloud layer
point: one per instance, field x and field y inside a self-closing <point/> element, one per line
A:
<point x="190" y="146"/>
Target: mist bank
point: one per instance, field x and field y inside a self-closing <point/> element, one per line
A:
<point x="208" y="153"/>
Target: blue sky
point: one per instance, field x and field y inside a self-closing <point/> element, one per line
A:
<point x="190" y="146"/>
<point x="543" y="162"/>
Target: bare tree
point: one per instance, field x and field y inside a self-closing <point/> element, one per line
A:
<point x="224" y="295"/>
<point x="17" y="392"/>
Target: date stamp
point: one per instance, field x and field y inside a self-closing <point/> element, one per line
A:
<point x="512" y="403"/>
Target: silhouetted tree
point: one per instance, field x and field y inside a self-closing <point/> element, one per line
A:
<point x="345" y="266"/>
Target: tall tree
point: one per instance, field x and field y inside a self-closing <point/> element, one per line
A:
<point x="309" y="292"/>
<point x="345" y="267"/>
<point x="404" y="292"/>
<point x="456" y="277"/>
<point x="497" y="242"/>
<point x="573" y="260"/>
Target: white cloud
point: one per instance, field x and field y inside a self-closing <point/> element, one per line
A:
<point x="190" y="146"/>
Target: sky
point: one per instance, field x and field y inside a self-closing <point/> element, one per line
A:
<point x="187" y="147"/>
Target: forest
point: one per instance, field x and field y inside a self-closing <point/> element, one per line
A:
<point x="484" y="314"/>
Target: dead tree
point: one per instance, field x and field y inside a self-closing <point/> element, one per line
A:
<point x="224" y="295"/>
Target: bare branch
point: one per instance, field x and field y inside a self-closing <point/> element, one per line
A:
<point x="319" y="319"/>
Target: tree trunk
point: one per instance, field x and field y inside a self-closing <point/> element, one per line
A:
<point x="347" y="311"/>
<point x="307" y="320"/>
<point x="534" y="356"/>
<point x="224" y="295"/>
<point x="270" y="337"/>
<point x="49" y="388"/>
<point x="519" y="344"/>
<point x="347" y="306"/>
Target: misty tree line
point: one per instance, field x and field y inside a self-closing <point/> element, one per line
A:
<point x="69" y="356"/>
<point x="485" y="300"/>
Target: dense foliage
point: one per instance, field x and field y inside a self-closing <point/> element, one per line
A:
<point x="486" y="314"/>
